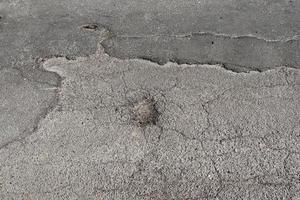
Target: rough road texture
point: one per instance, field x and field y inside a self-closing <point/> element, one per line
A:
<point x="219" y="135"/>
<point x="240" y="35"/>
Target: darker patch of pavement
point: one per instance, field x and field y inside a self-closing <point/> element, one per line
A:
<point x="21" y="58"/>
<point x="238" y="54"/>
<point x="24" y="102"/>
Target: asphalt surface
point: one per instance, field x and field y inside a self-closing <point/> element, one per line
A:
<point x="223" y="78"/>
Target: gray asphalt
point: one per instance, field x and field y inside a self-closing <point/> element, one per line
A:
<point x="224" y="77"/>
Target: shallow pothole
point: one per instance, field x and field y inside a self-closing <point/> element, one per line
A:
<point x="145" y="112"/>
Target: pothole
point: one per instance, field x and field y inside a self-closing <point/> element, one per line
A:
<point x="145" y="112"/>
<point x="91" y="26"/>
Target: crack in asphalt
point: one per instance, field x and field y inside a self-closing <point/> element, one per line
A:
<point x="192" y="34"/>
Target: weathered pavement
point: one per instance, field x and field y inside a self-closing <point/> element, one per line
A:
<point x="224" y="77"/>
<point x="219" y="135"/>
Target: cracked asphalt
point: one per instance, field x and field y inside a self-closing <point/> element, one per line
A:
<point x="223" y="77"/>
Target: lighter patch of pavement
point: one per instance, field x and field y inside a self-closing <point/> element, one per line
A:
<point x="219" y="135"/>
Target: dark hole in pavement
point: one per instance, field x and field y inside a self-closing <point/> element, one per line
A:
<point x="145" y="112"/>
<point x="91" y="26"/>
